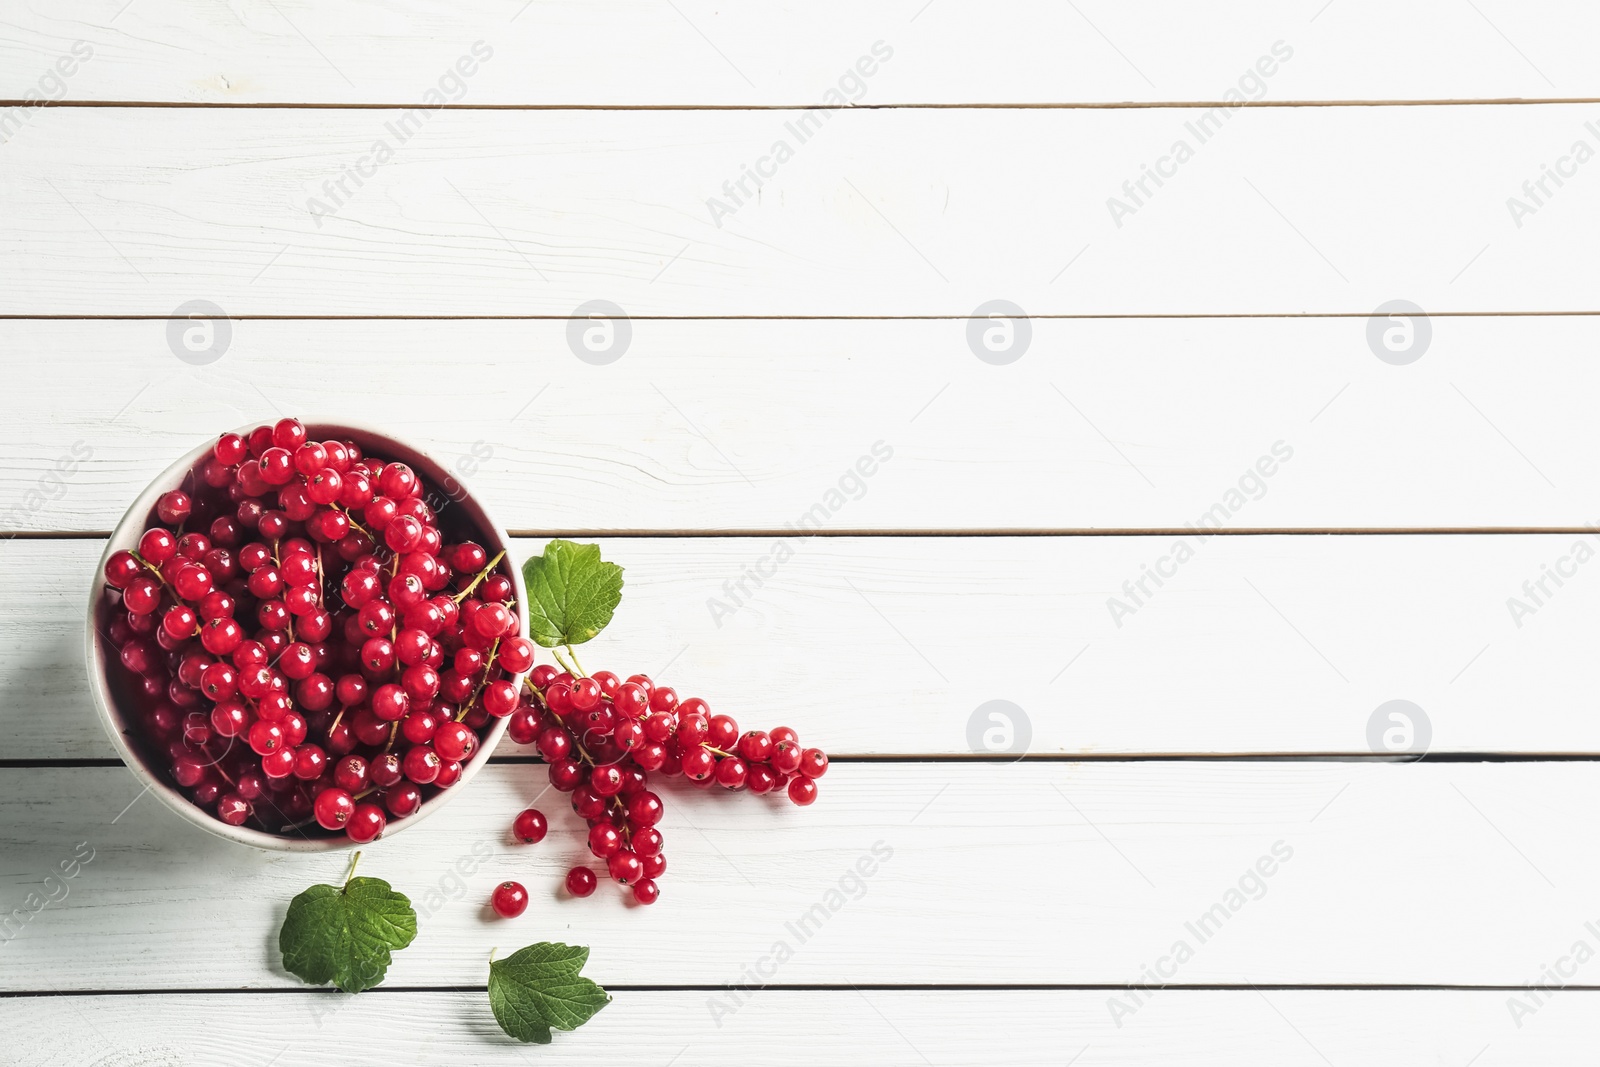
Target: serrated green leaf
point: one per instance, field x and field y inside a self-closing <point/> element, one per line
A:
<point x="572" y="593"/>
<point x="346" y="935"/>
<point x="539" y="987"/>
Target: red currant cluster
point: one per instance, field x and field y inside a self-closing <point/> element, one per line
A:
<point x="290" y="661"/>
<point x="602" y="737"/>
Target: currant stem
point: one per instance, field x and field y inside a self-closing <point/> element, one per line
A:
<point x="353" y="523"/>
<point x="494" y="651"/>
<point x="493" y="563"/>
<point x="573" y="653"/>
<point x="352" y="872"/>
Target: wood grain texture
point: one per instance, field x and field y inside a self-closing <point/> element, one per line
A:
<point x="747" y="425"/>
<point x="983" y="874"/>
<point x="764" y="53"/>
<point x="797" y="1029"/>
<point x="873" y="212"/>
<point x="1282" y="644"/>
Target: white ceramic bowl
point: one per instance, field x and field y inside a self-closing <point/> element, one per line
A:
<point x="108" y="681"/>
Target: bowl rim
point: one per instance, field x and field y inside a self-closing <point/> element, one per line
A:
<point x="126" y="535"/>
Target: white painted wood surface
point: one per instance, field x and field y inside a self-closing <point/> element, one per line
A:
<point x="692" y="52"/>
<point x="881" y="643"/>
<point x="745" y="425"/>
<point x="879" y="212"/>
<point x="1027" y="873"/>
<point x="889" y="646"/>
<point x="894" y="1028"/>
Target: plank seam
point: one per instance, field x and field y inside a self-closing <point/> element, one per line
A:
<point x="873" y="758"/>
<point x="18" y="316"/>
<point x="1063" y="105"/>
<point x="845" y="987"/>
<point x="1062" y="532"/>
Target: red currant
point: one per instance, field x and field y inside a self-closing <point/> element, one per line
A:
<point x="510" y="900"/>
<point x="580" y="881"/>
<point x="530" y="826"/>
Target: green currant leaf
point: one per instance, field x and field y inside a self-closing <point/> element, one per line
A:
<point x="345" y="935"/>
<point x="572" y="593"/>
<point x="539" y="987"/>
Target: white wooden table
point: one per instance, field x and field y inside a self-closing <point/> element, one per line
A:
<point x="1209" y="802"/>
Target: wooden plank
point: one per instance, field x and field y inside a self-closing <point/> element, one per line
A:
<point x="1025" y="873"/>
<point x="747" y="425"/>
<point x="869" y="212"/>
<point x="892" y="1028"/>
<point x="778" y="53"/>
<point x="893" y="645"/>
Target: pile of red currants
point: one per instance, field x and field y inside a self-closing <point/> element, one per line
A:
<point x="602" y="738"/>
<point x="307" y="647"/>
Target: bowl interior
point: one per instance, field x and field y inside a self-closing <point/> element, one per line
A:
<point x="461" y="515"/>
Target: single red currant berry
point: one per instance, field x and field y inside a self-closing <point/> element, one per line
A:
<point x="402" y="800"/>
<point x="632" y="702"/>
<point x="266" y="738"/>
<point x="350" y="774"/>
<point x="229" y="718"/>
<point x="692" y="731"/>
<point x="699" y="764"/>
<point x="783" y="733"/>
<point x="722" y="732"/>
<point x="156" y="546"/>
<point x="646" y="842"/>
<point x="785" y="757"/>
<point x="604" y="840"/>
<point x="587" y="803"/>
<point x="397" y="481"/>
<point x="390" y="702"/>
<point x="510" y="900"/>
<point x="802" y="791"/>
<point x="606" y="780"/>
<point x="585" y="694"/>
<point x="174" y="506"/>
<point x="646" y="891"/>
<point x="351" y="689"/>
<point x="278" y="763"/>
<point x="558" y="698"/>
<point x="421" y="764"/>
<point x="516" y="654"/>
<point x="366" y="823"/>
<point x="645" y="809"/>
<point x="333" y="809"/>
<point x="813" y="763"/>
<point x="663" y="699"/>
<point x="554" y="744"/>
<point x="454" y="741"/>
<point x="524" y="726"/>
<point x="385" y="770"/>
<point x="500" y="698"/>
<point x="580" y="881"/>
<point x="288" y="434"/>
<point x="122" y="568"/>
<point x="731" y="772"/>
<point x="625" y="867"/>
<point x="760" y="780"/>
<point x="192" y="583"/>
<point x="755" y="747"/>
<point x="233" y="809"/>
<point x="309" y="763"/>
<point x="654" y="866"/>
<point x="229" y="449"/>
<point x="529" y="826"/>
<point x="566" y="774"/>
